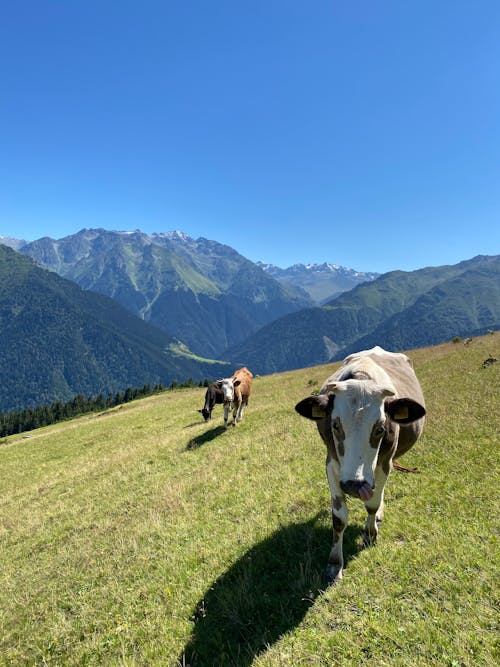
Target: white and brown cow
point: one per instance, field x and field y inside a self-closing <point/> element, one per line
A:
<point x="236" y="390"/>
<point x="369" y="412"/>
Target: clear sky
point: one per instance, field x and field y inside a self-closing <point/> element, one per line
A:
<point x="364" y="133"/>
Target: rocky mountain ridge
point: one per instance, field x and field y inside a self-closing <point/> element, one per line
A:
<point x="323" y="282"/>
<point x="202" y="292"/>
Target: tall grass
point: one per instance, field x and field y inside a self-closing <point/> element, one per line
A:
<point x="143" y="536"/>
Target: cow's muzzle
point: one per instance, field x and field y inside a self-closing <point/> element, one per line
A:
<point x="357" y="489"/>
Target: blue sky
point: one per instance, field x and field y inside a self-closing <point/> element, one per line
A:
<point x="360" y="133"/>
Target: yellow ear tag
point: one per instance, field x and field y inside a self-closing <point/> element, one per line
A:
<point x="402" y="413"/>
<point x="317" y="412"/>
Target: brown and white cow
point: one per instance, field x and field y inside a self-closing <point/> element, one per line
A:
<point x="236" y="390"/>
<point x="369" y="412"/>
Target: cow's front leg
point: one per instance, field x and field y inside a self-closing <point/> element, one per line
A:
<point x="375" y="508"/>
<point x="236" y="410"/>
<point x="239" y="416"/>
<point x="335" y="567"/>
<point x="227" y="407"/>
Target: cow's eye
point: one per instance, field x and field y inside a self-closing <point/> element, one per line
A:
<point x="379" y="430"/>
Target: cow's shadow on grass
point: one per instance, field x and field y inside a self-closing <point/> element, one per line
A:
<point x="207" y="436"/>
<point x="264" y="595"/>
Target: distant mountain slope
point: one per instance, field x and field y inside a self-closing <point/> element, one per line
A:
<point x="468" y="304"/>
<point x="398" y="310"/>
<point x="59" y="340"/>
<point x="16" y="244"/>
<point x="201" y="291"/>
<point x="322" y="282"/>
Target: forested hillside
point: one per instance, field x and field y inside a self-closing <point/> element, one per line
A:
<point x="398" y="310"/>
<point x="59" y="340"/>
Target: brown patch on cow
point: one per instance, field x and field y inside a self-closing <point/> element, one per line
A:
<point x="325" y="430"/>
<point x="337" y="502"/>
<point x="338" y="524"/>
<point x="389" y="441"/>
<point x="385" y="456"/>
<point x="242" y="382"/>
<point x="386" y="466"/>
<point x="339" y="435"/>
<point x="375" y="437"/>
<point x="355" y="375"/>
<point x="330" y="447"/>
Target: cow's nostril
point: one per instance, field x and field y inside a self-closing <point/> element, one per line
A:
<point x="351" y="487"/>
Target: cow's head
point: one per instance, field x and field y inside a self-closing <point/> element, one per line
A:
<point x="359" y="415"/>
<point x="227" y="386"/>
<point x="206" y="414"/>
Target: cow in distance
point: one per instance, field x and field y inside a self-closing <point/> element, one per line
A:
<point x="236" y="391"/>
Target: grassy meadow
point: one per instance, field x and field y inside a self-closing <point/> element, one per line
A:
<point x="143" y="536"/>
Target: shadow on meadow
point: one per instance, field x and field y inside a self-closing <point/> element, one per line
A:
<point x="205" y="437"/>
<point x="264" y="595"/>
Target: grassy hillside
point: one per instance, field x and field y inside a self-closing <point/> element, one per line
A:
<point x="144" y="536"/>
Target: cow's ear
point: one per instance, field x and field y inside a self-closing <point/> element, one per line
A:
<point x="314" y="407"/>
<point x="218" y="384"/>
<point x="404" y="410"/>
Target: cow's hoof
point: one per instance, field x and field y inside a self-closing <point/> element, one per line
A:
<point x="333" y="573"/>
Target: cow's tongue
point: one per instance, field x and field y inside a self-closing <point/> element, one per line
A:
<point x="365" y="491"/>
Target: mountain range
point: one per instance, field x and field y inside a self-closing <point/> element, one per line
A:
<point x="99" y="311"/>
<point x="202" y="292"/>
<point x="323" y="282"/>
<point x="59" y="340"/>
<point x="399" y="310"/>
